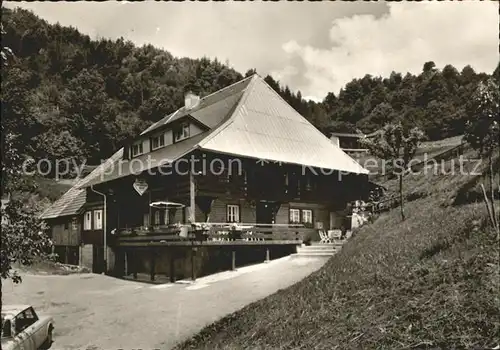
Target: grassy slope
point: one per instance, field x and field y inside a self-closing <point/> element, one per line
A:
<point x="432" y="281"/>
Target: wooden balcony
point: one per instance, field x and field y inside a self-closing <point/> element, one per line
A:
<point x="214" y="234"/>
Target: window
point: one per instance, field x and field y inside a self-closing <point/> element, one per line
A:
<point x="157" y="142"/>
<point x="66" y="226"/>
<point x="294" y="216"/>
<point x="87" y="222"/>
<point x="181" y="132"/>
<point x="233" y="213"/>
<point x="137" y="149"/>
<point x="298" y="216"/>
<point x="30" y="315"/>
<point x="19" y="323"/>
<point x="25" y="319"/>
<point x="97" y="219"/>
<point x="307" y="215"/>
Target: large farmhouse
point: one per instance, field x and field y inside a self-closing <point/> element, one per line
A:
<point x="239" y="156"/>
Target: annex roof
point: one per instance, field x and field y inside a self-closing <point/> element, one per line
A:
<point x="73" y="200"/>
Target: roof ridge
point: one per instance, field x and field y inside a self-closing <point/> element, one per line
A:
<point x="227" y="87"/>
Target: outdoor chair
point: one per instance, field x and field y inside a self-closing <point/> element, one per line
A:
<point x="324" y="237"/>
<point x="335" y="234"/>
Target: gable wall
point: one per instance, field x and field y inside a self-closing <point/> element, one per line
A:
<point x="194" y="130"/>
<point x="66" y="231"/>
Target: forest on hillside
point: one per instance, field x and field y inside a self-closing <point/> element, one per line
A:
<point x="67" y="95"/>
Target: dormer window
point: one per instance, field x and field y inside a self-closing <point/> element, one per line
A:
<point x="157" y="141"/>
<point x="181" y="132"/>
<point x="137" y="149"/>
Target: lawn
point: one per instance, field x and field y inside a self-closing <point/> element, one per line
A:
<point x="431" y="281"/>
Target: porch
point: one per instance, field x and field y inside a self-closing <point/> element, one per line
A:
<point x="200" y="249"/>
<point x="204" y="233"/>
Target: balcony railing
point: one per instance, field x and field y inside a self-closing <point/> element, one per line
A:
<point x="222" y="232"/>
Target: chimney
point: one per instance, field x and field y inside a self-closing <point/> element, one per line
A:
<point x="191" y="100"/>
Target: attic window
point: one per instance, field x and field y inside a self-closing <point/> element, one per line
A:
<point x="137" y="149"/>
<point x="157" y="141"/>
<point x="181" y="132"/>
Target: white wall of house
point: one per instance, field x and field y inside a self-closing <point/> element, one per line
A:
<point x="194" y="130"/>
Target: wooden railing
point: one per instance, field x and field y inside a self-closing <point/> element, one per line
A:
<point x="222" y="232"/>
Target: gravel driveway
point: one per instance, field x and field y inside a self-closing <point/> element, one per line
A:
<point x="101" y="312"/>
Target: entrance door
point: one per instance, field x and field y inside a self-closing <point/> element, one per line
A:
<point x="264" y="213"/>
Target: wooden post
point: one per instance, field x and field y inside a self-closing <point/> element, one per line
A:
<point x="193" y="260"/>
<point x="153" y="265"/>
<point x="233" y="260"/>
<point x="172" y="267"/>
<point x="192" y="193"/>
<point x="125" y="263"/>
<point x="150" y="223"/>
<point x="267" y="255"/>
<point x="133" y="265"/>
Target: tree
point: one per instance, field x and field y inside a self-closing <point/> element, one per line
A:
<point x="24" y="240"/>
<point x="429" y="66"/>
<point x="23" y="237"/>
<point x="397" y="145"/>
<point x="483" y="128"/>
<point x="7" y="54"/>
<point x="496" y="73"/>
<point x="250" y="72"/>
<point x="380" y="115"/>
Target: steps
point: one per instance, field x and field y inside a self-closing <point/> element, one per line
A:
<point x="318" y="250"/>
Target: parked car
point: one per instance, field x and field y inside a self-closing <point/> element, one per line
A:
<point x="23" y="329"/>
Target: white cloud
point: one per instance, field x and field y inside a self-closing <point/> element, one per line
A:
<point x="403" y="40"/>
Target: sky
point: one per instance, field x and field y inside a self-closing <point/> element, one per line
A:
<point x="312" y="47"/>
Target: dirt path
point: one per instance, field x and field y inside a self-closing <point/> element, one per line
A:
<point x="100" y="312"/>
